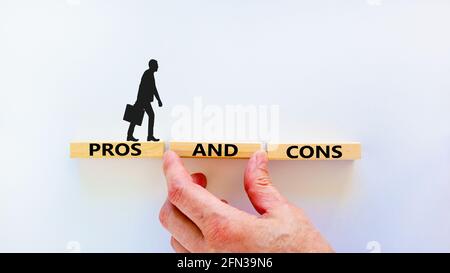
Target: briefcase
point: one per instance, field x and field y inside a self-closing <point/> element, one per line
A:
<point x="133" y="114"/>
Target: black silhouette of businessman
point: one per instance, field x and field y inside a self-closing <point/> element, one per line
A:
<point x="147" y="89"/>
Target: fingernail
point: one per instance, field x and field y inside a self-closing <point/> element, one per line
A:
<point x="261" y="157"/>
<point x="168" y="153"/>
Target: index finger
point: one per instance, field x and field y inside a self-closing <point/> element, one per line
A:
<point x="197" y="203"/>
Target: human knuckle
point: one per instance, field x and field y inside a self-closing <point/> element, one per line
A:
<point x="175" y="192"/>
<point x="219" y="230"/>
<point x="173" y="243"/>
<point x="263" y="180"/>
<point x="164" y="215"/>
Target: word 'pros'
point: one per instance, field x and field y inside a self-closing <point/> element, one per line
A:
<point x="120" y="149"/>
<point x="116" y="149"/>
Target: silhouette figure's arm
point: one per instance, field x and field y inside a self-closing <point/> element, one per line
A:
<point x="157" y="95"/>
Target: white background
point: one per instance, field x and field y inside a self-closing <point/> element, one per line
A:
<point x="372" y="71"/>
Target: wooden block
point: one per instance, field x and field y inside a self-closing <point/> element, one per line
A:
<point x="214" y="150"/>
<point x="312" y="151"/>
<point x="116" y="149"/>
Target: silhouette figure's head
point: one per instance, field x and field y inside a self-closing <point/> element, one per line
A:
<point x="153" y="65"/>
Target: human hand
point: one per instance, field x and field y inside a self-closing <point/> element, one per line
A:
<point x="201" y="222"/>
<point x="159" y="103"/>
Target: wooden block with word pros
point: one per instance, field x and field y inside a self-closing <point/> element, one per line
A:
<point x="311" y="151"/>
<point x="214" y="150"/>
<point x="116" y="149"/>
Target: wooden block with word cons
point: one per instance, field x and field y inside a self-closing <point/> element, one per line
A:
<point x="311" y="151"/>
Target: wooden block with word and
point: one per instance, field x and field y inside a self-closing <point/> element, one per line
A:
<point x="116" y="149"/>
<point x="214" y="150"/>
<point x="311" y="151"/>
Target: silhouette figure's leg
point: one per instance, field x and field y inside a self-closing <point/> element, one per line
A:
<point x="131" y="129"/>
<point x="151" y="122"/>
<point x="130" y="133"/>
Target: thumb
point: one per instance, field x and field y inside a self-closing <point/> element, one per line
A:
<point x="258" y="184"/>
